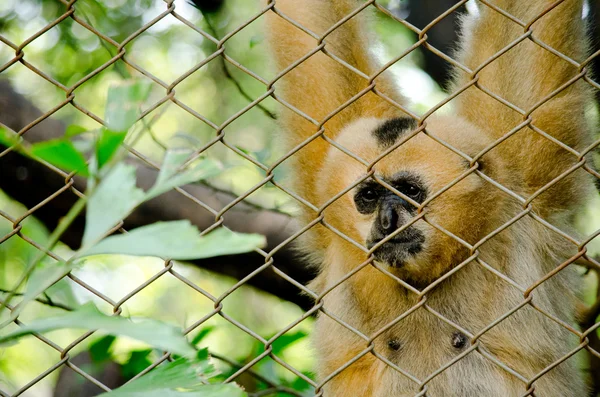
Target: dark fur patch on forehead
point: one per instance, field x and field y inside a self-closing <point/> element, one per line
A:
<point x="388" y="133"/>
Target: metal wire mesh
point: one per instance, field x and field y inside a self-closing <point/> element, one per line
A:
<point x="71" y="100"/>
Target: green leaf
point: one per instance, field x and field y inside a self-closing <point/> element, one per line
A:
<point x="15" y="249"/>
<point x="177" y="240"/>
<point x="122" y="111"/>
<point x="138" y="361"/>
<point x="202" y="334"/>
<point x="227" y="390"/>
<point x="100" y="349"/>
<point x="85" y="146"/>
<point x="170" y="175"/>
<point x="43" y="277"/>
<point x="286" y="340"/>
<point x="62" y="154"/>
<point x="185" y="377"/>
<point x="8" y="138"/>
<point x="74" y="130"/>
<point x="108" y="143"/>
<point x="116" y="195"/>
<point x="62" y="292"/>
<point x="123" y="104"/>
<point x="300" y="384"/>
<point x="112" y="200"/>
<point x="157" y="334"/>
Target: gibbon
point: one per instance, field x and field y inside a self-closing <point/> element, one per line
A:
<point x="444" y="243"/>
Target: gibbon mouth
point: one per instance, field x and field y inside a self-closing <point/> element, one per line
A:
<point x="397" y="250"/>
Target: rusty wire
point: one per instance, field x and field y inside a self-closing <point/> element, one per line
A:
<point x="319" y="218"/>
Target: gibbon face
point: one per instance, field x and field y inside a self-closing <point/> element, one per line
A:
<point x="419" y="169"/>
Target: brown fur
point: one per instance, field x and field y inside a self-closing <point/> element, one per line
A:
<point x="473" y="297"/>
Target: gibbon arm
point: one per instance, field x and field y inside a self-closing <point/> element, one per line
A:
<point x="320" y="85"/>
<point x="524" y="76"/>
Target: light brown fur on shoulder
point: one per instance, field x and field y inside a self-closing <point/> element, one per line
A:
<point x="422" y="206"/>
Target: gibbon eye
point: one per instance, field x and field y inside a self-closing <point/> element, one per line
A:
<point x="410" y="190"/>
<point x="369" y="194"/>
<point x="366" y="199"/>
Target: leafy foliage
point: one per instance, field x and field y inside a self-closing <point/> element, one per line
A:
<point x="96" y="152"/>
<point x="61" y="153"/>
<point x="115" y="197"/>
<point x="138" y="361"/>
<point x="177" y="240"/>
<point x="87" y="317"/>
<point x="173" y="172"/>
<point x="187" y="377"/>
<point x="99" y="350"/>
<point x="112" y="196"/>
<point x="122" y="104"/>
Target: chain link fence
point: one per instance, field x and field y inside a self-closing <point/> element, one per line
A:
<point x="587" y="335"/>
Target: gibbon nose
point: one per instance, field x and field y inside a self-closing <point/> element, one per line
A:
<point x="388" y="219"/>
<point x="388" y="216"/>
